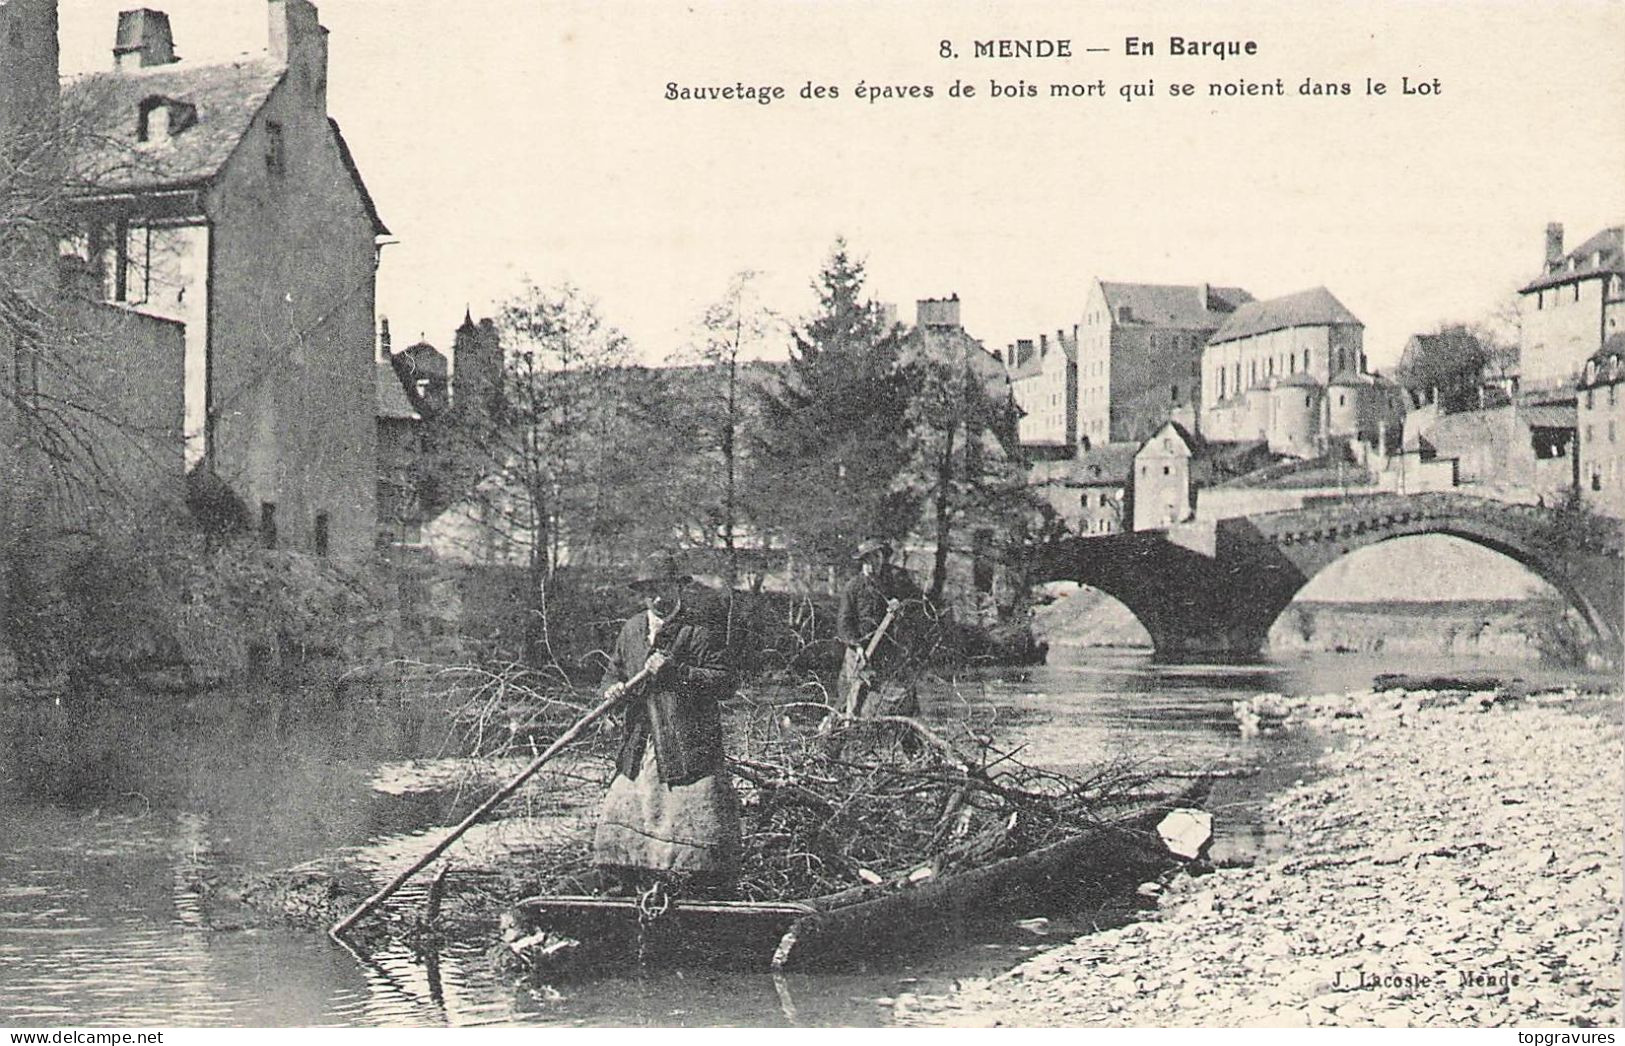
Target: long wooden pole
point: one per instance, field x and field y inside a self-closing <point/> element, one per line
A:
<point x="892" y="607"/>
<point x="486" y="807"/>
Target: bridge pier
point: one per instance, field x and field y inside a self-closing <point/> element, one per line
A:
<point x="1194" y="644"/>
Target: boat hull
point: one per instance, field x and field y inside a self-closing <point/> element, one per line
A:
<point x="847" y="927"/>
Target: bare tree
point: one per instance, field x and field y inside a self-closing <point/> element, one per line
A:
<point x="731" y="328"/>
<point x="536" y="453"/>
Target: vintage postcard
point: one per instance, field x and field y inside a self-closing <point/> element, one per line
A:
<point x="775" y="514"/>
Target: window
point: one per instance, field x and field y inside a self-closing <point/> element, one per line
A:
<point x="276" y="159"/>
<point x="1167" y="471"/>
<point x="1305" y="359"/>
<point x="1342" y="399"/>
<point x="321" y="533"/>
<point x="1610" y="432"/>
<point x="1596" y="481"/>
<point x="1292" y="364"/>
<point x="1613" y="395"/>
<point x="1591" y="402"/>
<point x="268" y="524"/>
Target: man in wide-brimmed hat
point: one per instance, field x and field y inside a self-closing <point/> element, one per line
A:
<point x="671" y="819"/>
<point x="879" y="683"/>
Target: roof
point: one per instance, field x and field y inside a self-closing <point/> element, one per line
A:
<point x="1607" y="365"/>
<point x="226" y="96"/>
<point x="1172" y="305"/>
<point x="1069" y="344"/>
<point x="1350" y="377"/>
<point x="392" y="399"/>
<point x="1581" y="263"/>
<point x="1039" y="353"/>
<point x="1030" y="367"/>
<point x="1107" y="463"/>
<point x="1301" y="380"/>
<point x="1315" y="307"/>
<point x="1550" y="416"/>
<point x="1192" y="443"/>
<point x="378" y="226"/>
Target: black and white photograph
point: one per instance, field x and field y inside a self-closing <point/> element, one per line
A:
<point x="811" y="513"/>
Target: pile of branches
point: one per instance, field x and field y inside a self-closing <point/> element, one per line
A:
<point x="876" y="800"/>
<point x="827" y="803"/>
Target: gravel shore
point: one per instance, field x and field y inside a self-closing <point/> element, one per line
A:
<point x="1458" y="864"/>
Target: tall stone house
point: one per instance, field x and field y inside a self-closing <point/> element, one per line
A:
<point x="226" y="198"/>
<point x="1291" y="371"/>
<point x="1571" y="309"/>
<point x="1044" y="381"/>
<point x="1601" y="428"/>
<point x="1162" y="478"/>
<point x="1140" y="354"/>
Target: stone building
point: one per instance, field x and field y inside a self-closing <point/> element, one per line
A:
<point x="1162" y="478"/>
<point x="1601" y="428"/>
<point x="1139" y="355"/>
<point x="1291" y="371"/>
<point x="1044" y="381"/>
<point x="425" y="424"/>
<point x="224" y="196"/>
<point x="1569" y="310"/>
<point x="1088" y="493"/>
<point x="1519" y="452"/>
<point x="401" y="454"/>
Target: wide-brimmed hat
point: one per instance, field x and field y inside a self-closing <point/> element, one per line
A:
<point x="659" y="568"/>
<point x="872" y="545"/>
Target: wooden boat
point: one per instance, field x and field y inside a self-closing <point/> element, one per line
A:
<point x="857" y="923"/>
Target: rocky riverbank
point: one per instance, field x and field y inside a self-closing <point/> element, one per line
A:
<point x="1457" y="865"/>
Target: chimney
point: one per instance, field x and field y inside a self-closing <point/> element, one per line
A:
<point x="383" y="337"/>
<point x="1043" y="345"/>
<point x="143" y="39"/>
<point x="298" y="41"/>
<point x="1207" y="296"/>
<point x="1554" y="246"/>
<point x="1024" y="350"/>
<point x="937" y="312"/>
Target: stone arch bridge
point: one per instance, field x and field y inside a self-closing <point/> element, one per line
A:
<point x="1213" y="590"/>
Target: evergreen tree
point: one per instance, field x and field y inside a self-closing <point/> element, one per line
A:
<point x="832" y="432"/>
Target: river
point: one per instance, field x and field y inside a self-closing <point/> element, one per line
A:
<point x="108" y="817"/>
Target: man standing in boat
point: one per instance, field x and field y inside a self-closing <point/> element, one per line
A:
<point x="670" y="821"/>
<point x="881" y="682"/>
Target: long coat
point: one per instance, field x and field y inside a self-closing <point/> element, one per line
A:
<point x="887" y="675"/>
<point x="678" y="710"/>
<point x="863" y="607"/>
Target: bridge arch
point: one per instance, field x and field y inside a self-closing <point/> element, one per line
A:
<point x="1214" y="591"/>
<point x="1511" y="532"/>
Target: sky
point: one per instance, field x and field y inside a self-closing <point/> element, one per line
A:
<point x="506" y="140"/>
